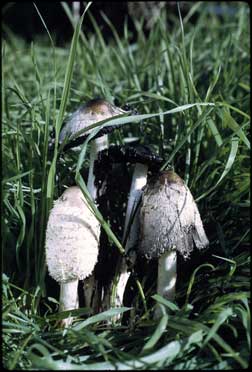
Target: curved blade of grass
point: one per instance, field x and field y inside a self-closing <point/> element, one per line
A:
<point x="14" y="327"/>
<point x="227" y="298"/>
<point x="15" y="178"/>
<point x="190" y="325"/>
<point x="232" y="262"/>
<point x="116" y="36"/>
<point x="194" y="9"/>
<point x="20" y="350"/>
<point x="69" y="73"/>
<point x="200" y="120"/>
<point x="192" y="280"/>
<point x="155" y="97"/>
<point x="44" y="24"/>
<point x="213" y="84"/>
<point x="228" y="166"/>
<point x="246" y="319"/>
<point x="3" y="78"/>
<point x="66" y="314"/>
<point x="172" y="306"/>
<point x="121" y="119"/>
<point x="228" y="121"/>
<point x="159" y="358"/>
<point x="215" y="132"/>
<point x="222" y="317"/>
<point x="157" y="334"/>
<point x="21" y="235"/>
<point x="79" y="180"/>
<point x="224" y="104"/>
<point x="101" y="317"/>
<point x="64" y="99"/>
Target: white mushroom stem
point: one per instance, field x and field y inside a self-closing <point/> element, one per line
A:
<point x="139" y="180"/>
<point x="99" y="144"/>
<point x="69" y="299"/>
<point x="167" y="276"/>
<point x="76" y="11"/>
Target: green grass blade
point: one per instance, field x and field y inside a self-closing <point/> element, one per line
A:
<point x="106" y="315"/>
<point x="157" y="334"/>
<point x="228" y="166"/>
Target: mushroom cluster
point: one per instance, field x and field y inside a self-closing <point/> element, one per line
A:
<point x="167" y="221"/>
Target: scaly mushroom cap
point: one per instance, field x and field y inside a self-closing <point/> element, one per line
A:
<point x="169" y="218"/>
<point x="88" y="114"/>
<point x="72" y="237"/>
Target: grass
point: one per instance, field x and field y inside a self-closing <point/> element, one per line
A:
<point x="190" y="84"/>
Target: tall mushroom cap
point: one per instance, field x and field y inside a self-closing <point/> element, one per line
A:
<point x="72" y="237"/>
<point x="169" y="217"/>
<point x="89" y="113"/>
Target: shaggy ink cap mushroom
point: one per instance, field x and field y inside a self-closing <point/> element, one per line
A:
<point x="169" y="218"/>
<point x="72" y="238"/>
<point x="169" y="223"/>
<point x="89" y="113"/>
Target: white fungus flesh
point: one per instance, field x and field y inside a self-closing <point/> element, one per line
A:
<point x="72" y="238"/>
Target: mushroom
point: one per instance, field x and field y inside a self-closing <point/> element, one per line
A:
<point x="72" y="238"/>
<point x="169" y="222"/>
<point x="92" y="112"/>
<point x="144" y="159"/>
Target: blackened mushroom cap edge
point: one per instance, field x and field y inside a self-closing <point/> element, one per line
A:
<point x="142" y="154"/>
<point x="169" y="218"/>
